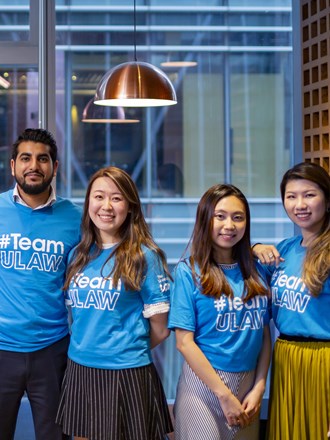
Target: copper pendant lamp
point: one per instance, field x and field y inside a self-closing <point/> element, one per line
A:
<point x="135" y="84"/>
<point x="102" y="115"/>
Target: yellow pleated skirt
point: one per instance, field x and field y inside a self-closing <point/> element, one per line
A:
<point x="300" y="391"/>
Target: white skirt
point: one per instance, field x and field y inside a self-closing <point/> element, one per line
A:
<point x="197" y="411"/>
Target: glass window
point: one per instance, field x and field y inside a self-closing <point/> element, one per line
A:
<point x="18" y="79"/>
<point x="216" y="123"/>
<point x="18" y="110"/>
<point x="14" y="20"/>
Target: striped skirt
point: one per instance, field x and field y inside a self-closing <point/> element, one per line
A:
<point x="197" y="411"/>
<point x="126" y="404"/>
<point x="300" y="391"/>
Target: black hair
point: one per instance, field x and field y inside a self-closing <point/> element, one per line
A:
<point x="36" y="135"/>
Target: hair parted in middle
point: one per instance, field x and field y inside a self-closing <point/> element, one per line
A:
<point x="212" y="279"/>
<point x="134" y="233"/>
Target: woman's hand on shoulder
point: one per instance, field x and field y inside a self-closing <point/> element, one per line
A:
<point x="267" y="254"/>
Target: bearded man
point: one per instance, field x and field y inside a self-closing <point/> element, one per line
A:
<point x="37" y="231"/>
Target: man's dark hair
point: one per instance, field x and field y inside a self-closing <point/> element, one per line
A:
<point x="36" y="135"/>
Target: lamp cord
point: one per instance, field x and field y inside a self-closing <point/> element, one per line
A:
<point x="135" y="57"/>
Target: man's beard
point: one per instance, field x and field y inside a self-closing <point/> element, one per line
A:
<point x="34" y="189"/>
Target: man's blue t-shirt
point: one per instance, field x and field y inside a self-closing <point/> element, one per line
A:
<point x="34" y="246"/>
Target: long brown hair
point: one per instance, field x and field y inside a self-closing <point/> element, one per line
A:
<point x="130" y="262"/>
<point x="316" y="266"/>
<point x="212" y="279"/>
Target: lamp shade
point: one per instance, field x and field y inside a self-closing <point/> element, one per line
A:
<point x="98" y="114"/>
<point x="135" y="84"/>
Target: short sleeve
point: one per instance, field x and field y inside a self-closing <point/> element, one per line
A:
<point x="156" y="285"/>
<point x="183" y="294"/>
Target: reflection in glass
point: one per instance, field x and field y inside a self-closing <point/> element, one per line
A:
<point x="14" y="22"/>
<point x="18" y="110"/>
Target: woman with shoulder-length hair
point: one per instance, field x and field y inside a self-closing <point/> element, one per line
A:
<point x="117" y="286"/>
<point x="219" y="310"/>
<point x="300" y="282"/>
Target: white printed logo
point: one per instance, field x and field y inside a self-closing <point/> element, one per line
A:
<point x="235" y="315"/>
<point x="47" y="255"/>
<point x="100" y="296"/>
<point x="294" y="296"/>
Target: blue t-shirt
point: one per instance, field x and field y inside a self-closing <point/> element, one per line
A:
<point x="294" y="310"/>
<point x="34" y="246"/>
<point x="108" y="329"/>
<point x="228" y="332"/>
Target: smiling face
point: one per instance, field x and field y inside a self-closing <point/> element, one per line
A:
<point x="33" y="168"/>
<point x="305" y="204"/>
<point x="229" y="225"/>
<point x="108" y="209"/>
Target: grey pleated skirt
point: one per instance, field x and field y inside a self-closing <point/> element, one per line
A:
<point x="100" y="404"/>
<point x="198" y="414"/>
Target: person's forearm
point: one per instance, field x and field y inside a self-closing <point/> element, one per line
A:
<point x="158" y="329"/>
<point x="231" y="406"/>
<point x="158" y="337"/>
<point x="202" y="367"/>
<point x="263" y="362"/>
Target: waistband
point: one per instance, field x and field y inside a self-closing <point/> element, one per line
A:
<point x="301" y="338"/>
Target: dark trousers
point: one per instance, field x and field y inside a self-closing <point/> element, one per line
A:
<point x="39" y="374"/>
